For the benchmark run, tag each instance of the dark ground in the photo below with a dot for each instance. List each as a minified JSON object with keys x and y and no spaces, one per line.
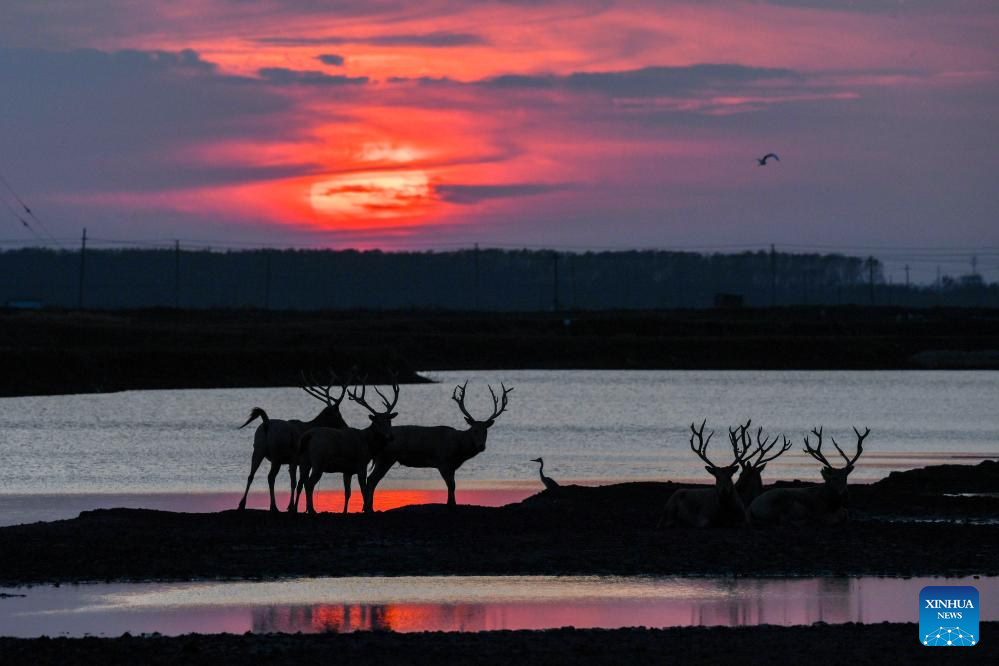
{"x":575,"y":530}
{"x":48,"y":352}
{"x":816,"y":644}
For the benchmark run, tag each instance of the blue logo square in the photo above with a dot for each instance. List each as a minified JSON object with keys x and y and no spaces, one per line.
{"x":948,"y":615}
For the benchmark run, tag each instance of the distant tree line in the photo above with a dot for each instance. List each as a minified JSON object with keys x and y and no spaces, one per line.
{"x":487,"y":279}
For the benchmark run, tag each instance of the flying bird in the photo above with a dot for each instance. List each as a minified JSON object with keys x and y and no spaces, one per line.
{"x":550,"y":483}
{"x":762,"y":161}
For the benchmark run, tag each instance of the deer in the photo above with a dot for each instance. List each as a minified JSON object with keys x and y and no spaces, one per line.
{"x":346,"y":450}
{"x":720,"y":506}
{"x":823,"y":504}
{"x":750,"y":483}
{"x":440,"y":447}
{"x":277,"y":439}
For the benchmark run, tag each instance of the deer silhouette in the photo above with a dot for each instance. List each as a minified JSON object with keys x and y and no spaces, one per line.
{"x":346,"y":450}
{"x":277,"y":439}
{"x":824,"y":504}
{"x":439,"y":447}
{"x":720,"y":506}
{"x":750,"y":483}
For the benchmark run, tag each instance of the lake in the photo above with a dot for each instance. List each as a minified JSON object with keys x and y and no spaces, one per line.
{"x":183,"y":448}
{"x":465,"y":603}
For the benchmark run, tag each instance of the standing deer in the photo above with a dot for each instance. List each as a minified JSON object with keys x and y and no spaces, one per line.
{"x":824,"y":504}
{"x":720,"y":506}
{"x":441,"y":447}
{"x":346,"y":450}
{"x":277,"y":439}
{"x":750,"y":483}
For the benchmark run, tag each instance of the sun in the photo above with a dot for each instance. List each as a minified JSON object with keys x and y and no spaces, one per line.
{"x":380,"y":194}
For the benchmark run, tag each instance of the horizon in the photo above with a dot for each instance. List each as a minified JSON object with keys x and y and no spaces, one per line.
{"x":556,"y":125}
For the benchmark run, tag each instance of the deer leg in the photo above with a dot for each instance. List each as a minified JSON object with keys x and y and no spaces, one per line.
{"x":303,"y":475}
{"x":362,"y":480}
{"x":254,"y":464}
{"x":382,"y":466}
{"x":310,"y":486}
{"x":347,"y":476}
{"x":292,"y":500}
{"x":271,"y":477}
{"x":448,"y":476}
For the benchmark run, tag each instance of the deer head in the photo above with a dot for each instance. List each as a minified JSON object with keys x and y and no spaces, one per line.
{"x":835,"y":477}
{"x":723,"y":475}
{"x":754,"y":456}
{"x":479,"y":428}
{"x":381,"y":421}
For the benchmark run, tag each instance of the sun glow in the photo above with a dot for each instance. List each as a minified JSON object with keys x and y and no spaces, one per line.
{"x":376,"y":194}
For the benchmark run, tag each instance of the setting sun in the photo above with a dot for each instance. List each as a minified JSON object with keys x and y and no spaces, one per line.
{"x":380,"y":194}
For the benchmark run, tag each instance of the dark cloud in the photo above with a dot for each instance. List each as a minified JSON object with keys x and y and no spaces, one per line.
{"x":472,"y":194}
{"x":429,"y":39}
{"x":284,"y":76}
{"x":332,"y":59}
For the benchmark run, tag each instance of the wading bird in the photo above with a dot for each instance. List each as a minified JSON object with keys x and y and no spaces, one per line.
{"x":550,"y":483}
{"x":762,"y":161}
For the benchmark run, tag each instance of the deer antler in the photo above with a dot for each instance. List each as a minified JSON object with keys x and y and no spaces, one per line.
{"x":740,"y":440}
{"x":702,"y":444}
{"x":395,"y":389}
{"x":764,"y":445}
{"x":499,"y":402}
{"x":358,"y":397}
{"x":860,"y":446}
{"x":817,"y":451}
{"x":322,"y":391}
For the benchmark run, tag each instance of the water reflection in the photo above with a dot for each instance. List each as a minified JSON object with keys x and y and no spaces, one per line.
{"x":469,"y":603}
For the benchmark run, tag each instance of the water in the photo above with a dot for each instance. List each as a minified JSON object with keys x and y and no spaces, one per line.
{"x":465,"y":603}
{"x":591,"y":427}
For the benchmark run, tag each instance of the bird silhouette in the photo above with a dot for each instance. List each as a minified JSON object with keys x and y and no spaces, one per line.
{"x":762,"y":161}
{"x":550,"y":483}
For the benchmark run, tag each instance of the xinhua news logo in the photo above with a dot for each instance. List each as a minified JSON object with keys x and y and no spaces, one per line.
{"x":948,"y":615}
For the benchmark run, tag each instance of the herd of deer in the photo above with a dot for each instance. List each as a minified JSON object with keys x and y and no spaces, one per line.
{"x":328,"y":444}
{"x":744,"y":502}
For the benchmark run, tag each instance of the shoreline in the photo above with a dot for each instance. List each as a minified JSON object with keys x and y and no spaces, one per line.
{"x":818,"y":643}
{"x":572,"y":530}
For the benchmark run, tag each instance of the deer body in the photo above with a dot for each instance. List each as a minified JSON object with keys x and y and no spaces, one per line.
{"x":348,"y":451}
{"x":276,"y":440}
{"x":824,"y":504}
{"x":439,"y":447}
{"x":720,"y":506}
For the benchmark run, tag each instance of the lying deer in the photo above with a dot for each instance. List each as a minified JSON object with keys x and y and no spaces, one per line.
{"x":720,"y":506}
{"x":824,"y":504}
{"x":346,"y":450}
{"x":277,"y":439}
{"x":750,"y":483}
{"x":440,"y":447}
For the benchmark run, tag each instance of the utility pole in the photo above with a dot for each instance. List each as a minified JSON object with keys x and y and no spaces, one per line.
{"x":476,"y":257}
{"x":555,"y":304}
{"x":974,"y":264}
{"x":773,"y":276}
{"x":83,"y":267}
{"x":907,"y":276}
{"x":267,"y":279}
{"x":176,"y":274}
{"x":870,"y":268}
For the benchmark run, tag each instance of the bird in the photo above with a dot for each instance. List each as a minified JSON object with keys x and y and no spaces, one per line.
{"x":550,"y":483}
{"x":762,"y":161}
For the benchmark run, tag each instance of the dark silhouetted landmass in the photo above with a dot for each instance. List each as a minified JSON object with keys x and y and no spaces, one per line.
{"x":571,"y":530}
{"x":45,"y":352}
{"x":485,"y":280}
{"x":747,"y":646}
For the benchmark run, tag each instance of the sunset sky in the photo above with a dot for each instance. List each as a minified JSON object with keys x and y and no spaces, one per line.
{"x":572,"y":124}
